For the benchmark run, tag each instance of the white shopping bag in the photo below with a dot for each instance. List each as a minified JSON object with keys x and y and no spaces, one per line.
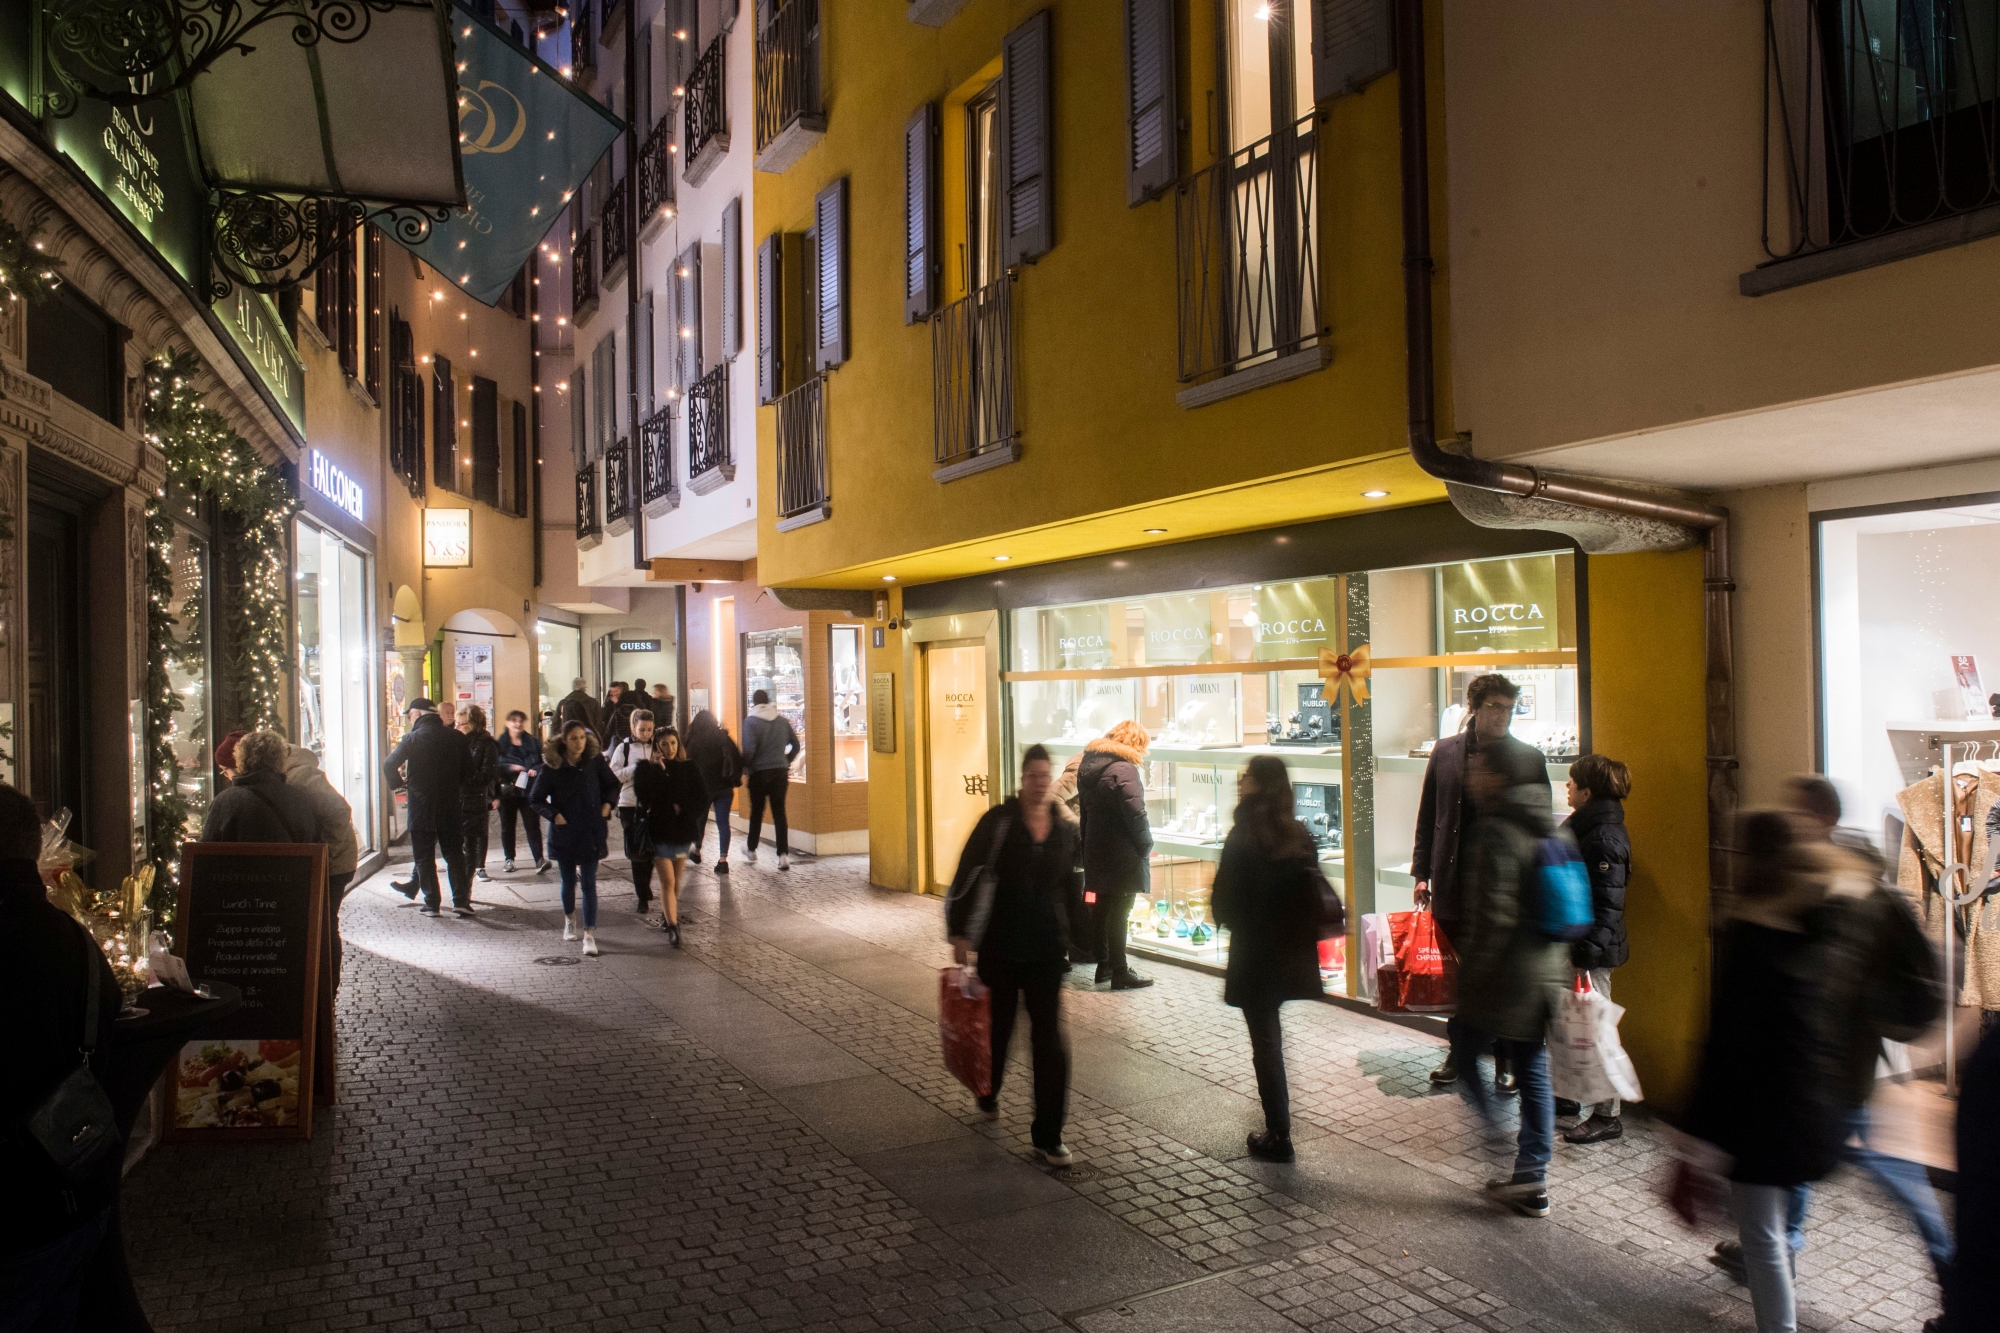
{"x":1376,"y":950}
{"x":1586,"y":1063}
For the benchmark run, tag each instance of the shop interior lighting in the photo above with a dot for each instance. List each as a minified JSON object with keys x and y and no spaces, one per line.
{"x":1003,"y":558}
{"x":888,"y":578}
{"x":1374,"y":495}
{"x":1156,"y":532}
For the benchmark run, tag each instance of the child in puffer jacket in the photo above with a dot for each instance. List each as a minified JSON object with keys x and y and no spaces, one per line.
{"x":1597,"y":790}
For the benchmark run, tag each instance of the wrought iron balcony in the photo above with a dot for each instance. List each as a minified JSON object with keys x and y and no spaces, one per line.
{"x":657,"y":492}
{"x":972,"y":381}
{"x":582,"y":41}
{"x":582,"y":279}
{"x":710,"y":463}
{"x":802,"y":483}
{"x":618,"y":487}
{"x":656,"y":174}
{"x":705,"y":108}
{"x":790,"y":118}
{"x":588,"y":530}
{"x":1248,"y":257}
{"x":614,"y":217}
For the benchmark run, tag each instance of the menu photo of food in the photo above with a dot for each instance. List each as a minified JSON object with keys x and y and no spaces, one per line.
{"x":237,"y":1085}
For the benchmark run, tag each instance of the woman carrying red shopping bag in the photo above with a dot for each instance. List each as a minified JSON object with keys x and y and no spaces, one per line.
{"x":1008,"y":906}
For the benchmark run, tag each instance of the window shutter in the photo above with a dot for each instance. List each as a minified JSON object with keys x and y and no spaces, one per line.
{"x":770,"y":374}
{"x":1354,"y":43}
{"x":830,"y":277}
{"x":1151,"y":129}
{"x":687,"y":315}
{"x":444,"y":425}
{"x":486,"y":441}
{"x":519,"y":456}
{"x":1027,"y":215}
{"x":607,"y":382}
{"x":920,"y":215}
{"x":732,"y":278}
{"x":644,"y":346}
{"x":579,"y":439}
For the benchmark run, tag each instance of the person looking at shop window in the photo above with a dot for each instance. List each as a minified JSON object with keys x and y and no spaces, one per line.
{"x":259,"y":805}
{"x":1597,"y":790}
{"x":576,"y":792}
{"x":624,"y":757}
{"x":1023,"y":945}
{"x":1117,"y":842}
{"x":520,"y":756}
{"x":225,"y":755}
{"x":334,"y":826}
{"x":714,"y":753}
{"x":1445,"y":819}
{"x":672,"y":799}
{"x":435,"y":758}
{"x":769,"y":746}
{"x":481,"y":794}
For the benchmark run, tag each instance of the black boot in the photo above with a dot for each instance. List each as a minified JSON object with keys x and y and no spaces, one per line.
{"x":1103,"y":974}
{"x":1505,"y":1081}
{"x":1446,"y":1074}
{"x":1269,"y":1147}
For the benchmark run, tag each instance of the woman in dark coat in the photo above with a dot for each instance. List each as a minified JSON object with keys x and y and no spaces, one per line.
{"x":1265,"y":896}
{"x":575,"y":792}
{"x":674,"y":799}
{"x":715,"y":754}
{"x":481,"y":792}
{"x":258,"y":805}
{"x":1117,"y":842}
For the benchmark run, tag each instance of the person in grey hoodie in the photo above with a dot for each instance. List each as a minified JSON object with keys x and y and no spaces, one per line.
{"x":769,"y":746}
{"x":336,"y":829}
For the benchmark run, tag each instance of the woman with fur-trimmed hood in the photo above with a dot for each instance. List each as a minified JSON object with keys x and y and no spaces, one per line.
{"x":1117,"y":842}
{"x":575,"y":792}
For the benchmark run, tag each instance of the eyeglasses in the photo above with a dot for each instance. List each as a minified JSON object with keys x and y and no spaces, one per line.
{"x":1497,"y":706}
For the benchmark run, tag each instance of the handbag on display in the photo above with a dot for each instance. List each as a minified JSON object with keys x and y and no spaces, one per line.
{"x":1424,"y":979}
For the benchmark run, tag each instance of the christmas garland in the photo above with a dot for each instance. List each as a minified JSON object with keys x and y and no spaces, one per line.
{"x":205,"y":457}
{"x":24,"y":270}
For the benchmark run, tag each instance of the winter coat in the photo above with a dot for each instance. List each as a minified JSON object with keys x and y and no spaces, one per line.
{"x":1972,"y":1287}
{"x":768,"y":739}
{"x":1266,"y":899}
{"x":673,"y":797}
{"x":578,"y":792}
{"x":482,"y":776}
{"x":437,"y":757}
{"x":624,"y":757}
{"x":1029,"y":922}
{"x":1510,"y":975}
{"x":517,"y":759}
{"x":579,"y":706}
{"x":1117,"y":840}
{"x":714,"y":752}
{"x":259,"y":807}
{"x":1444,"y":824}
{"x":1599,"y":829}
{"x":1918,"y":866}
{"x":333,"y":815}
{"x":618,"y":719}
{"x":662,"y":710}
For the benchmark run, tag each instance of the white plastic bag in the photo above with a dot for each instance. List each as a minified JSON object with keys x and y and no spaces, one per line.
{"x":1586,"y":1062}
{"x":1376,"y":951}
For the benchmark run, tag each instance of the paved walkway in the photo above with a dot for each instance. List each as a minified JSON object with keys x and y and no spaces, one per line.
{"x":755,"y":1132}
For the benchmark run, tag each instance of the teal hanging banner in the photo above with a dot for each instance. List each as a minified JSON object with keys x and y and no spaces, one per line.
{"x":527,"y":140}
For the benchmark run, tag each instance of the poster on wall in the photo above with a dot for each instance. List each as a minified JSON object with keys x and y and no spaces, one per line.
{"x":252,"y":915}
{"x":961,"y":779}
{"x":1297,"y":619}
{"x":1972,"y":698}
{"x":472,"y":676}
{"x":1180,"y":628}
{"x":1506,"y":605}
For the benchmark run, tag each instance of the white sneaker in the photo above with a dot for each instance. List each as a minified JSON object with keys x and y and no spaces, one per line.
{"x":508,"y":865}
{"x":784,"y":863}
{"x":569,"y":926}
{"x":590,"y":944}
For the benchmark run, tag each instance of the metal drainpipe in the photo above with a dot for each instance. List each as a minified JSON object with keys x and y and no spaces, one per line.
{"x":632,"y":265}
{"x":1711,"y":521}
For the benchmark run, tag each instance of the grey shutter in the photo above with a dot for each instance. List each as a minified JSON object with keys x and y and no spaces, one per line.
{"x":579,"y":440}
{"x":644,"y":346}
{"x":1151,"y":130}
{"x":1027,"y":214}
{"x":1354,"y":43}
{"x":770,"y":375}
{"x":732,"y":277}
{"x":829,"y":304}
{"x":687,"y":315}
{"x":920,"y":258}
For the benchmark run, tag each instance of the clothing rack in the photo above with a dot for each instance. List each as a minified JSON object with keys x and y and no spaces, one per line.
{"x":1947,"y":889}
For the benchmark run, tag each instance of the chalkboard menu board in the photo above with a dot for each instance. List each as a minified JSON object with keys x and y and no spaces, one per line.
{"x":253,"y":915}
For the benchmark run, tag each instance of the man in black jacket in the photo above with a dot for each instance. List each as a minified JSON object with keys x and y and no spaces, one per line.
{"x":438,"y":761}
{"x":579,"y":706}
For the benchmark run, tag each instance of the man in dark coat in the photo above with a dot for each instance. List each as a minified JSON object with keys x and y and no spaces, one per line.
{"x":579,"y":706}
{"x":1444,"y":817}
{"x":259,"y":806}
{"x":1972,"y":1287}
{"x":438,"y":761}
{"x":1117,"y":843}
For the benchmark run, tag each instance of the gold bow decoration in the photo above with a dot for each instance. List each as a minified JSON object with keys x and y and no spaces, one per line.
{"x":1345,"y":671}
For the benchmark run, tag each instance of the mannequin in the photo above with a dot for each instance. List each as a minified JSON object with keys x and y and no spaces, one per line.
{"x":1976,"y":802}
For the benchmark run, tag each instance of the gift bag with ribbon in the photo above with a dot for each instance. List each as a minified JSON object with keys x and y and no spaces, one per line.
{"x":965,"y":1025}
{"x":1425,"y":976}
{"x":1586,"y":1062}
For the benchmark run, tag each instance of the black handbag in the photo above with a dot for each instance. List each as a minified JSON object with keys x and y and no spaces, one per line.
{"x":74,"y":1126}
{"x":1329,"y":904}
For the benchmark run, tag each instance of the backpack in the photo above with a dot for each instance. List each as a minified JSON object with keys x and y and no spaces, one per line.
{"x":1906,"y":994}
{"x":1562,"y":907}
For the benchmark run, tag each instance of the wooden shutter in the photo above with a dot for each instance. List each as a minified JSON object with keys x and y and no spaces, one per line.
{"x":732,"y":277}
{"x":920,"y":220}
{"x":1353,"y":44}
{"x":444,"y":425}
{"x":644,"y":347}
{"x":371,"y":312}
{"x":486,"y":441}
{"x":687,"y":315}
{"x":770,"y":310}
{"x":829,"y":305}
{"x":518,"y":460}
{"x":1027,"y":171}
{"x":1152,"y":132}
{"x":579,"y":419}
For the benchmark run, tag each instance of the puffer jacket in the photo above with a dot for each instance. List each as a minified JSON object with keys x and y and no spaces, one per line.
{"x":1510,"y":975}
{"x":1599,"y":829}
{"x":1117,"y":839}
{"x":578,"y":792}
{"x":336,"y":817}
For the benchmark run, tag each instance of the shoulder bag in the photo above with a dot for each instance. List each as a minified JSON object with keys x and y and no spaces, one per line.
{"x":980,"y":884}
{"x":74,"y":1127}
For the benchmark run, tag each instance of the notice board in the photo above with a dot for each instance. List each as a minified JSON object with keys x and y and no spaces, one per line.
{"x":252,"y":914}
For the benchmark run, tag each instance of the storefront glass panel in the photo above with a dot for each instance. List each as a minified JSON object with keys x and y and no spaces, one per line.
{"x":774,"y":661}
{"x":961,"y":786}
{"x":187,"y":666}
{"x":335,"y":698}
{"x":558,"y":661}
{"x":849,"y":706}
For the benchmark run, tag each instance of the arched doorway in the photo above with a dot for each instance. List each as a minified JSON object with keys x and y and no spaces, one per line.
{"x":484,"y":657}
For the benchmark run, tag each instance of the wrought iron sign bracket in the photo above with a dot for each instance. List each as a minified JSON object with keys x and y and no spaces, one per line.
{"x":271,"y":242}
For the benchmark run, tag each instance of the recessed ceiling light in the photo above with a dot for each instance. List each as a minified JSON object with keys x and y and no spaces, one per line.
{"x":1374,"y":495}
{"x":1003,"y":558}
{"x":1156,"y":532}
{"x":888,"y":578}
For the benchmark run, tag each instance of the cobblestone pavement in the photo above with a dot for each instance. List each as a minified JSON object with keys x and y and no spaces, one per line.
{"x":756,"y":1132}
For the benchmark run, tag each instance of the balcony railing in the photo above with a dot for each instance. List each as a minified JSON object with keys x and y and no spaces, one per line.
{"x":657,"y":492}
{"x":789,"y":115}
{"x":710,"y":463}
{"x":582,"y":278}
{"x":618,"y":487}
{"x":1248,"y":255}
{"x":1879,"y":116}
{"x":582,"y":40}
{"x":588,"y":530}
{"x":656,"y":174}
{"x":614,"y":217}
{"x":802,"y":481}
{"x":972,"y":378}
{"x":705,"y":108}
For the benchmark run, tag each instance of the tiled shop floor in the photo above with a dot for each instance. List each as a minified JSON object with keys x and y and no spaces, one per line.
{"x":755,"y":1132}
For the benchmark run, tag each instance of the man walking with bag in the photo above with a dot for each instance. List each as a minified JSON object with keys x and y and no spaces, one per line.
{"x":437,"y":760}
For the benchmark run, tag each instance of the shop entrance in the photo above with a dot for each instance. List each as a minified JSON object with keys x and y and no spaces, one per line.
{"x":336,"y":692}
{"x":960,"y":782}
{"x":57,"y":663}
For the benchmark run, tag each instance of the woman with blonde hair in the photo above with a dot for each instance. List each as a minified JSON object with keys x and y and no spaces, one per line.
{"x":1117,"y":842}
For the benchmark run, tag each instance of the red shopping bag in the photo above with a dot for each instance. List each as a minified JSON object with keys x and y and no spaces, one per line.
{"x":1424,"y":979}
{"x":965,"y":1024}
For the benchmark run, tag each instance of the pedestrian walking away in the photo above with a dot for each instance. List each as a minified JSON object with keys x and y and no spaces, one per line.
{"x":580,"y":706}
{"x":1972,"y":1287}
{"x":334,"y":820}
{"x":576,"y":792}
{"x":624,"y":757}
{"x":714,"y":753}
{"x":1117,"y":843}
{"x":1022,"y":944}
{"x":520,"y":760}
{"x":618,"y":709}
{"x":481,"y":794}
{"x":259,"y":805}
{"x":663,"y":705}
{"x":435,"y":758}
{"x":672,"y":800}
{"x":1266,"y":896}
{"x":769,"y":746}
{"x":1597,"y":790}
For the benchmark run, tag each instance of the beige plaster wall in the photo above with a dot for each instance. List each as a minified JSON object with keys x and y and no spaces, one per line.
{"x":1774,"y":637}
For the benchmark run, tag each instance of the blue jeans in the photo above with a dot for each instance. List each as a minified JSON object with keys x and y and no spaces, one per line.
{"x":1906,"y":1181}
{"x":1763,"y":1221}
{"x":720,"y":805}
{"x":39,"y":1290}
{"x":1538,"y":1101}
{"x":572,"y":869}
